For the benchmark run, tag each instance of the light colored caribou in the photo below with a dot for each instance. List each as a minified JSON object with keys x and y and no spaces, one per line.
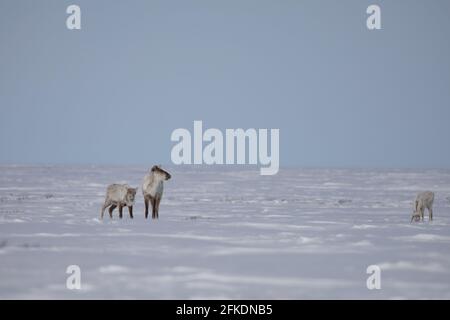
{"x":424,"y":200}
{"x":119,"y":195}
{"x":152,"y":189}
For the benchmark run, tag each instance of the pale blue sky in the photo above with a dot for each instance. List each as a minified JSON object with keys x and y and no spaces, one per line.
{"x":113,"y":92}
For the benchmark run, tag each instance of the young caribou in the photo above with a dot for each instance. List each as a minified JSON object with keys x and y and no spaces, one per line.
{"x":424,"y":200}
{"x":119,"y":195}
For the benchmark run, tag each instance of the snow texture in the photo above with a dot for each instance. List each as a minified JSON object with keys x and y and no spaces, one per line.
{"x":224,"y":233}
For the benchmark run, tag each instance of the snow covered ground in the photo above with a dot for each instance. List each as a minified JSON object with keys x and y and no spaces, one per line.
{"x":224,"y":233}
